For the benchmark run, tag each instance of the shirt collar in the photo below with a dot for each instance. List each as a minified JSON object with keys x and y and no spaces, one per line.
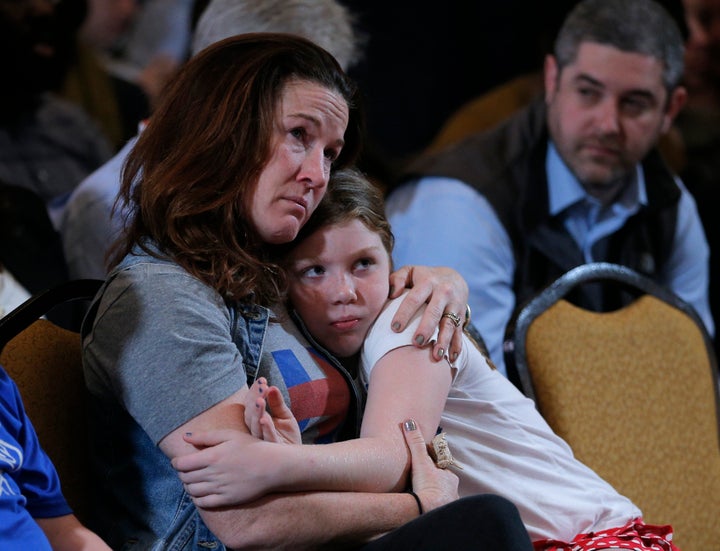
{"x":564,"y":189}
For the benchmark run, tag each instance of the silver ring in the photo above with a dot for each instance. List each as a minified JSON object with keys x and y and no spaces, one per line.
{"x":453,"y":317}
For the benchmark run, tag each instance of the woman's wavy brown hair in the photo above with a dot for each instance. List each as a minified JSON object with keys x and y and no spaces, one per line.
{"x":189,"y":177}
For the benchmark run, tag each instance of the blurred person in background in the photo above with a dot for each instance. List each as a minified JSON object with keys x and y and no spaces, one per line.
{"x":46,"y":145}
{"x":89,"y":225}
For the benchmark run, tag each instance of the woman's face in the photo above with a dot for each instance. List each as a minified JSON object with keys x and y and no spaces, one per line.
{"x":339,"y":283}
{"x":307,"y":138}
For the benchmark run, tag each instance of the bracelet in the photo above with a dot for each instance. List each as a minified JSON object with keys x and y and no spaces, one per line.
{"x":417,"y":499}
{"x":468,"y":314}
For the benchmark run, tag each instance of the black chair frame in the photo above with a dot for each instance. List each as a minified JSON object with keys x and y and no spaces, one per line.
{"x":43,"y":302}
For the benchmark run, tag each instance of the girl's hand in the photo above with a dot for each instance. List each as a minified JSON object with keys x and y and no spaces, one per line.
{"x":268,"y":417}
{"x":231,"y":467}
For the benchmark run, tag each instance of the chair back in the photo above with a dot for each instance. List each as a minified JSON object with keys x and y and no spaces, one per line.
{"x":634,"y":392}
{"x":45,"y":362}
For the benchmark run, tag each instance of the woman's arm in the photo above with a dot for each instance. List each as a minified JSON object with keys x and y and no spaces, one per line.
{"x":308,"y":519}
{"x":405,"y":382}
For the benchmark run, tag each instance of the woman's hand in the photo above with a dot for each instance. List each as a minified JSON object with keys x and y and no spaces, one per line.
{"x":435,"y":487}
{"x":445,"y":291}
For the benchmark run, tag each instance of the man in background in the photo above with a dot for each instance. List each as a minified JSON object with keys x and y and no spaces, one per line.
{"x":569,"y":180}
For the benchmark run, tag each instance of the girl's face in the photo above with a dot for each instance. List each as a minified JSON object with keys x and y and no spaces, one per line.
{"x":308,"y":137}
{"x":339,"y":283}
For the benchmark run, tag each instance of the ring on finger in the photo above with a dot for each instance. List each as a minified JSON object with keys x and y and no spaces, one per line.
{"x":453,"y":317}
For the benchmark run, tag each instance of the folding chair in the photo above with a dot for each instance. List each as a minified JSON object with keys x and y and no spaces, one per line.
{"x":633,"y":391}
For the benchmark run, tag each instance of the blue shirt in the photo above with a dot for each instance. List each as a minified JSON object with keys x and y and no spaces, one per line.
{"x":444,"y":222}
{"x":89,"y":226}
{"x":29,"y":485}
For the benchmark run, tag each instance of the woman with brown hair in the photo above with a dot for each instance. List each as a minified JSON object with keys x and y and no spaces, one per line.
{"x":235,"y":159}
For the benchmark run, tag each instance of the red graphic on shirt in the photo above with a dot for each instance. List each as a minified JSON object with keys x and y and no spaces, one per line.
{"x":326,"y":400}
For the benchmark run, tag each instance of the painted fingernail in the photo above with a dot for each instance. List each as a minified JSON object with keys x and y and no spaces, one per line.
{"x":454,"y":356}
{"x":188,"y":434}
{"x":441,"y":352}
{"x":419,"y":340}
{"x":391,"y":291}
{"x":396,"y":326}
{"x":410,"y":425}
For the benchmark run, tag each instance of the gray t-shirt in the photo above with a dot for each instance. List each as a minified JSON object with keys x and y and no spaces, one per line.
{"x":167,"y":347}
{"x":162,"y":346}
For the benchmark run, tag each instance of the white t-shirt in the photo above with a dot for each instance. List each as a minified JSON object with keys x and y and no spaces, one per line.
{"x":505,"y":447}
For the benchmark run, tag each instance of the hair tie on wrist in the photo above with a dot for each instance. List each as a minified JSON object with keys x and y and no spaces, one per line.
{"x":417,"y":499}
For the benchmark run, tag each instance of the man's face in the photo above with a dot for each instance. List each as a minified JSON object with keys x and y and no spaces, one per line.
{"x":606,"y":110}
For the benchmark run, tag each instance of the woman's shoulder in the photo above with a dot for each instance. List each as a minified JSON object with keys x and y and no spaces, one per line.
{"x":154,"y":284}
{"x":147,"y":266}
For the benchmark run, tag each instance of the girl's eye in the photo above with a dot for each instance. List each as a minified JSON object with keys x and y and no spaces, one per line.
{"x":364,"y":263}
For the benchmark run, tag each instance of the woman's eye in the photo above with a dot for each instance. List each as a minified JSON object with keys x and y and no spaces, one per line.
{"x":298,"y":133}
{"x":312,"y":271}
{"x":331,"y":155}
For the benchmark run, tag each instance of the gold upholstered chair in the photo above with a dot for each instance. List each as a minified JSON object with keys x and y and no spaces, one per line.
{"x":44,"y":360}
{"x":633,"y":391}
{"x":488,"y":110}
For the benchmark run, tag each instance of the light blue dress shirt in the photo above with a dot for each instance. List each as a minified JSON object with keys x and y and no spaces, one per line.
{"x":89,"y":226}
{"x":444,"y":222}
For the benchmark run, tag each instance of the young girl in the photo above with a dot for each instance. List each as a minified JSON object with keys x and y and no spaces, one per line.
{"x":338,"y":270}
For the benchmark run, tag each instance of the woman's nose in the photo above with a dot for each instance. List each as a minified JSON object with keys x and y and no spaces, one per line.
{"x":315,"y":169}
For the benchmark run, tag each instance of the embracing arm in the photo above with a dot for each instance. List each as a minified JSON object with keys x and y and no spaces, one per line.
{"x":444,"y":290}
{"x":305,"y":519}
{"x":405,"y":382}
{"x":316,"y":519}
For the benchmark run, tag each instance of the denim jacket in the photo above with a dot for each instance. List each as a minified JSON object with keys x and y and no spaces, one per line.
{"x":141,"y":501}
